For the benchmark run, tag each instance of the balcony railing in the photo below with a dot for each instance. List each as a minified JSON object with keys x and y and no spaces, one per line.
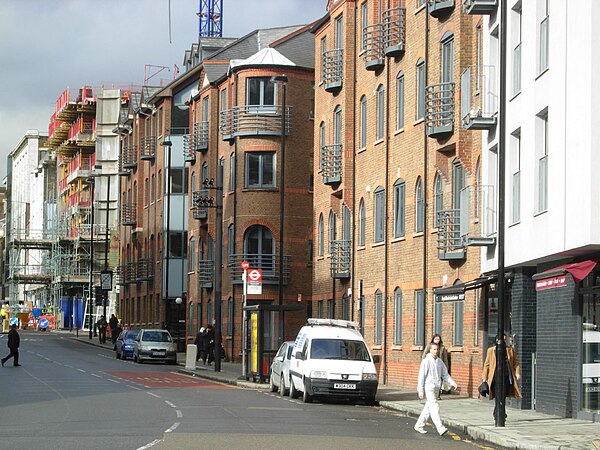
{"x":189,"y":155}
{"x":269,"y":264}
{"x":148,"y":148}
{"x":479,"y":7}
{"x":206,"y":273}
{"x":128,"y":157}
{"x":127,"y":273}
{"x":197,"y":141}
{"x":145,"y":269}
{"x":394,"y":27}
{"x":478,"y":111}
{"x":439,"y":8}
{"x":332,"y":69}
{"x":439,"y":109}
{"x":331,"y":163}
{"x":254,"y":120}
{"x":341,"y":258}
{"x":373,"y":45}
{"x":200,"y":201}
{"x":450,"y":242}
{"x":128,"y":214}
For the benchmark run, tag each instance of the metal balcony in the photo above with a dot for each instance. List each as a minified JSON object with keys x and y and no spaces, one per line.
{"x":197,"y":141}
{"x":189,"y":155}
{"x":129,"y":157}
{"x":254,"y":120}
{"x":201,"y":200}
{"x":269,"y":264}
{"x":478,"y":216}
{"x":478,"y":111}
{"x":332,"y":69}
{"x":394,"y":27}
{"x":450,"y":243}
{"x":127,"y":273}
{"x":439,"y":109}
{"x":373,"y":45}
{"x":148,"y":148}
{"x":206,"y":273}
{"x":440,"y":8}
{"x":145,"y":269}
{"x":341,"y":258}
{"x":479,"y":7}
{"x":331,"y":163}
{"x":128,"y":214}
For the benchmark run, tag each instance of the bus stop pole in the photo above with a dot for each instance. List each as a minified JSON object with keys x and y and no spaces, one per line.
{"x":244,"y":327}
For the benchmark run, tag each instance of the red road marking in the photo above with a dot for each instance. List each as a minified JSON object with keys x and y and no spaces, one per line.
{"x":166,"y":380}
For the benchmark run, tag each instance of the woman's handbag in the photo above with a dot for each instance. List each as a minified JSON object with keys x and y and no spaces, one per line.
{"x":483,"y":388}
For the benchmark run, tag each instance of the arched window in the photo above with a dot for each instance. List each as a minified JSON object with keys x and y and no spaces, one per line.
{"x":322,"y":143}
{"x":259,"y":248}
{"x":231,"y":242}
{"x":363,"y":122}
{"x":399,"y":208}
{"x":321,"y":236}
{"x":362,"y":223}
{"x":419,"y":206}
{"x":232,"y":172}
{"x":458,"y":182}
{"x":398,"y":316}
{"x":478,"y":195}
{"x":192,"y":255}
{"x":337,"y":125}
{"x":193,"y":182}
{"x":332,"y":232}
{"x":420,"y":88}
{"x":204,"y":174}
{"x":438,"y":204}
{"x":380,"y":93}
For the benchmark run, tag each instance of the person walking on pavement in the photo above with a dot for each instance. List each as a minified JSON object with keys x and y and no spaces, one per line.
{"x":512,"y":374}
{"x":431,"y":374}
{"x":102,"y":330}
{"x":113,"y":322}
{"x":209,"y":345}
{"x":200,"y":344}
{"x":442,"y":353}
{"x":13,"y":344}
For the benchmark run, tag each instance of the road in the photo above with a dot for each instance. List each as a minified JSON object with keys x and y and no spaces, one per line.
{"x":70,"y":395}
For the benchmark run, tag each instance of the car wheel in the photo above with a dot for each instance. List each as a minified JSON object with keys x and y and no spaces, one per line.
{"x":293,"y":392}
{"x":271,"y":383}
{"x":306,"y":397}
{"x":117,"y":355}
{"x":282,"y":389}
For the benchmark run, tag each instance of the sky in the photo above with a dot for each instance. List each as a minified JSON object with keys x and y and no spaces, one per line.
{"x":47,"y":46}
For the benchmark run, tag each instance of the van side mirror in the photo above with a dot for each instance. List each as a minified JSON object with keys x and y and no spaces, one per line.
{"x":376,"y":359}
{"x":298,"y":355}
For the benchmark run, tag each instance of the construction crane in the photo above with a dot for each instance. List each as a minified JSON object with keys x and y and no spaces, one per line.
{"x":211,"y":18}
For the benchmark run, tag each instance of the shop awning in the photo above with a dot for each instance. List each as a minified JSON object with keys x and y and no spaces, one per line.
{"x":457,"y":292}
{"x":557,"y":277}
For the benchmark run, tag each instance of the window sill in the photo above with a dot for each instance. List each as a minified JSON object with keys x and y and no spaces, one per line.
{"x":399,"y":239}
{"x":457,"y":349}
{"x":514,"y":224}
{"x":416,"y":348}
{"x":263,"y":189}
{"x":420,"y":8}
{"x":320,"y":258}
{"x":362,"y":247}
{"x":397,"y":347}
{"x":378,"y":141}
{"x":418,"y":121}
{"x":361,"y":150}
{"x":378,"y":244}
{"x":434,"y":230}
{"x":515,"y":95}
{"x":539,"y":213}
{"x":539,"y":75}
{"x":417,"y":234}
{"x":397,"y":132}
{"x":377,"y":347}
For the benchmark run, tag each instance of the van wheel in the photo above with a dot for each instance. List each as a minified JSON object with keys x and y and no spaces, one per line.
{"x":306,"y":397}
{"x":282,"y":389}
{"x":293,"y":392}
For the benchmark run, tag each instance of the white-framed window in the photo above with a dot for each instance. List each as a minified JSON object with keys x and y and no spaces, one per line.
{"x":399,"y":208}
{"x":517,"y":21}
{"x":363,"y":122}
{"x":261,"y":95}
{"x":379,"y":215}
{"x":260,"y":169}
{"x":419,"y":206}
{"x":544,"y":35}
{"x":380,"y":93}
{"x":516,"y":176}
{"x":362,"y":223}
{"x":398,"y":316}
{"x":420,"y":69}
{"x":438,"y":194}
{"x":378,"y":317}
{"x":400,"y":101}
{"x":542,"y":163}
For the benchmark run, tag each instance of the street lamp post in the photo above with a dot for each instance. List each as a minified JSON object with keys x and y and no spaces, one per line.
{"x":106,"y":245}
{"x":91,"y":282}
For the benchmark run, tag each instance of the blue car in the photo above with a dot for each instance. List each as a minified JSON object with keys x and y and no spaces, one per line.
{"x":125,"y":343}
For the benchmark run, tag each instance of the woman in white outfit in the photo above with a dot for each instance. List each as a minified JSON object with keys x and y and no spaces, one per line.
{"x":431,"y":374}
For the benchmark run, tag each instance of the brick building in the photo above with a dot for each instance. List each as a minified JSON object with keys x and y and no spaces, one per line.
{"x":397,"y":195}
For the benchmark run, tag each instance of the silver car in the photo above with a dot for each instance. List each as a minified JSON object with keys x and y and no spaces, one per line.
{"x":154,"y":345}
{"x":280,"y":369}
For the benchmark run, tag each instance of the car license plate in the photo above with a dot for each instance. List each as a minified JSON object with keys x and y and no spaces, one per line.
{"x":344,"y":386}
{"x":159,"y":353}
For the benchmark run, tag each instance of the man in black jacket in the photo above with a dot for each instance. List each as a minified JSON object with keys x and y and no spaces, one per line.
{"x":13,"y":344}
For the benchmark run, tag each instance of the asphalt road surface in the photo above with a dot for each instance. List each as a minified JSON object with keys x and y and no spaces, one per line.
{"x":69,"y":395}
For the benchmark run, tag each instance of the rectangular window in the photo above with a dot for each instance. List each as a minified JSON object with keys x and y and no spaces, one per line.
{"x":192,"y":255}
{"x":542,"y":203}
{"x":516,"y":177}
{"x":399,"y":209}
{"x":421,"y":90}
{"x":437,"y":317}
{"x":378,"y":318}
{"x":191,"y":328}
{"x":330,"y":309}
{"x":230,"y":317}
{"x":339,"y":43}
{"x":231,"y":241}
{"x":232,"y":173}
{"x":364,"y":8}
{"x":398,"y":318}
{"x":199,"y":314}
{"x":261,"y":94}
{"x":320,"y":309}
{"x":179,"y":182}
{"x":177,"y":244}
{"x":223,"y":99}
{"x":517,"y":22}
{"x":380,"y":112}
{"x":400,"y":102}
{"x":458,"y":322}
{"x":544,"y":37}
{"x":448,"y":61}
{"x":419,"y":317}
{"x":323,"y":57}
{"x":379,"y":219}
{"x":363,"y":122}
{"x":345,"y":308}
{"x":260,"y":169}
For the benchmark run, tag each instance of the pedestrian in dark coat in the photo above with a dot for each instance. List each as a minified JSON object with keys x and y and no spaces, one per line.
{"x":13,"y":344}
{"x":200,"y":344}
{"x":102,"y":330}
{"x":113,"y":322}
{"x":209,"y":345}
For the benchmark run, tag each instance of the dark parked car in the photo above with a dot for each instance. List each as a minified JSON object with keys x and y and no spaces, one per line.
{"x":125,"y":343}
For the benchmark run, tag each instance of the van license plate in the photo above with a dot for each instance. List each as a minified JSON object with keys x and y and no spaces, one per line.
{"x":344,"y":386}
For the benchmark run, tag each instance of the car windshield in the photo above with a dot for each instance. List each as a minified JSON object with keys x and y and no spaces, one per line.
{"x":156,"y":336}
{"x":339,"y":349}
{"x":130,"y":334}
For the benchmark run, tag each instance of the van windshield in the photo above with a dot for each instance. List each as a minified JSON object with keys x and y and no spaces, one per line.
{"x":339,"y":349}
{"x":591,"y":353}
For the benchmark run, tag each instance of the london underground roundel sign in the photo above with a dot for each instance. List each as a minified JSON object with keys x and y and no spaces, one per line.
{"x":255,"y":275}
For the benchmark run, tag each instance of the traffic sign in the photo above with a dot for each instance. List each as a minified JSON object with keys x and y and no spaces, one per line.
{"x":245,"y":265}
{"x":255,"y":275}
{"x":13,"y":321}
{"x":43,"y":323}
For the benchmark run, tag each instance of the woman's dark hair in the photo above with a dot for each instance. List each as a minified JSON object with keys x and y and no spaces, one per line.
{"x":434,"y":336}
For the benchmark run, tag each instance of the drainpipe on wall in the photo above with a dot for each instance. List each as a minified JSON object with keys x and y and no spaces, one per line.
{"x":386,"y":247}
{"x":355,"y":294}
{"x":425,"y":179}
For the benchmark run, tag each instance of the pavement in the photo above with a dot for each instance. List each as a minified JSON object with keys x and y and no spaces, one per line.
{"x":525,"y":429}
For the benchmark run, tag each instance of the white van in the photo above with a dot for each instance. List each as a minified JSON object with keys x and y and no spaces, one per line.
{"x":331,"y":359}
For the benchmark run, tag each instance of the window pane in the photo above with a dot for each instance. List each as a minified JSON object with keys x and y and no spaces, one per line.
{"x":253,"y":164}
{"x":398,"y":301}
{"x":458,"y":323}
{"x":362,"y":223}
{"x":378,"y":317}
{"x":400,"y":103}
{"x":268,"y":169}
{"x":544,"y":44}
{"x":419,"y":316}
{"x":420,"y":90}
{"x":437,"y":317}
